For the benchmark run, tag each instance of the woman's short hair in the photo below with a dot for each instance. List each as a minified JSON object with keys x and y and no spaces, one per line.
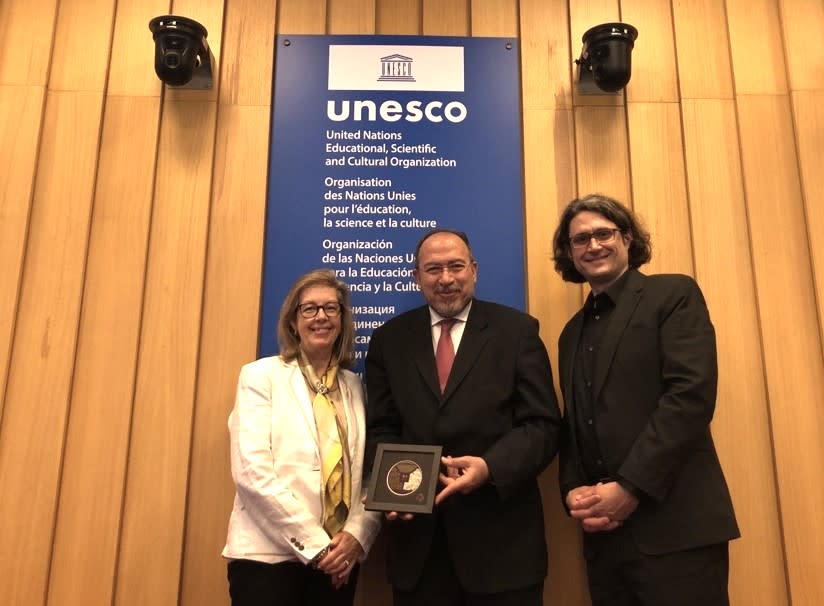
{"x":640,"y":247}
{"x":288,"y":338}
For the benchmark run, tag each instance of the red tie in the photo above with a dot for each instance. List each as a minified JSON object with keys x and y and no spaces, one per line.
{"x":445,"y":353}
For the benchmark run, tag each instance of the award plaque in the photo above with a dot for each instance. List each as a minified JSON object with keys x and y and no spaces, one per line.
{"x":404,"y":478}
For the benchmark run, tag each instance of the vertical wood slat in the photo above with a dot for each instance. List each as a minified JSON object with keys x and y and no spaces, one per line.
{"x":232,"y":286}
{"x":398,"y":17}
{"x":31,"y":440}
{"x":94,"y":461}
{"x":546,"y":56}
{"x":494,"y":17}
{"x":741,"y":428}
{"x":795,"y":374}
{"x":42,"y":357}
{"x":152,"y":529}
{"x":21,"y":115}
{"x":654,"y":73}
{"x":756,"y":47}
{"x":659,"y":185}
{"x":808,"y":114}
{"x":151,"y":543}
{"x":350,"y":16}
{"x":602,"y":152}
{"x":446,"y":17}
{"x":25,"y":49}
{"x":801,"y":22}
{"x":301,"y":17}
{"x":703,"y":60}
{"x":24,"y":60}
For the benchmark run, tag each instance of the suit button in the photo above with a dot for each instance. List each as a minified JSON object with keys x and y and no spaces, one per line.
{"x":589,"y":421}
{"x":300,"y":546}
{"x":293,"y":540}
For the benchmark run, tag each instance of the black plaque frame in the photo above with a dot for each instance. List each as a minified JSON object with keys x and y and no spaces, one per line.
{"x":389,"y":458}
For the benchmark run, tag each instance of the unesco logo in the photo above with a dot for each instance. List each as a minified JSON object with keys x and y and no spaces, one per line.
{"x":396,"y":68}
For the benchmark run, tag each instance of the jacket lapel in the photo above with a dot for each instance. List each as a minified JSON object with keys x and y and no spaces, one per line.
{"x":573,"y":337}
{"x":300,"y":394}
{"x":473,"y":341}
{"x":621,"y":316}
{"x":420,"y":343}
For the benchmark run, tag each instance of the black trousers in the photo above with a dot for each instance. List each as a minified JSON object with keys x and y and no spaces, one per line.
{"x":439,"y":585}
{"x":620,"y":575}
{"x":286,"y":584}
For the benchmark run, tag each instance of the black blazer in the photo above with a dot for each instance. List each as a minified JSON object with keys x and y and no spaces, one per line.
{"x":499,"y":404}
{"x":655,"y":386}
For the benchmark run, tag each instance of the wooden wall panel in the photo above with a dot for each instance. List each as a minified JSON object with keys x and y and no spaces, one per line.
{"x":25,"y":53}
{"x":658,"y":184}
{"x":40,"y":370}
{"x":26,"y":36}
{"x":446,"y":17}
{"x":494,"y":17}
{"x":654,"y":73}
{"x":149,"y":558}
{"x":97,"y":438}
{"x":350,"y":17}
{"x":602,"y":153}
{"x":301,"y":17}
{"x":792,"y":351}
{"x":546,"y":57}
{"x":21,"y":114}
{"x":232,"y":286}
{"x":702,"y":49}
{"x":94,"y":460}
{"x":31,"y":440}
{"x":399,"y":17}
{"x":801,"y":23}
{"x":151,"y":540}
{"x":808,"y":112}
{"x":756,"y":47}
{"x":723,"y":268}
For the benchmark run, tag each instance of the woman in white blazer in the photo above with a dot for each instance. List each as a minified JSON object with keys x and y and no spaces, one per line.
{"x":298,"y":528}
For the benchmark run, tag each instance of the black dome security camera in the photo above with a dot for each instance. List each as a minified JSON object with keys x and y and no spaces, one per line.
{"x":606,"y":57}
{"x":182,"y":55}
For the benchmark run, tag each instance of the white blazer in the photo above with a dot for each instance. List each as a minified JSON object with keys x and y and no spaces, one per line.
{"x":276,"y":466}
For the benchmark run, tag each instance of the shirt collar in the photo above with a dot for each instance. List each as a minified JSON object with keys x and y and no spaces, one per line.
{"x":435,"y":317}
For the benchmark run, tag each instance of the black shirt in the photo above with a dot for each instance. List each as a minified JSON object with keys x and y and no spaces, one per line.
{"x":597,"y":314}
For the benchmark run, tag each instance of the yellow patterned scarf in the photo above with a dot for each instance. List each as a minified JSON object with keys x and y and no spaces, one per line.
{"x":332,"y":438}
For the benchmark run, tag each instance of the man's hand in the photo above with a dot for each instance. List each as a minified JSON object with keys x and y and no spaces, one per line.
{"x":394,"y":515}
{"x":602,"y":507}
{"x":463,"y":474}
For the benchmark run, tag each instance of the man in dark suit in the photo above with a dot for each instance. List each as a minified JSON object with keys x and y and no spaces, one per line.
{"x":497,"y":418}
{"x":638,"y":373}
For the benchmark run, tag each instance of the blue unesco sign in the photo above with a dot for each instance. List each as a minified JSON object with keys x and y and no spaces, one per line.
{"x":376,"y":140}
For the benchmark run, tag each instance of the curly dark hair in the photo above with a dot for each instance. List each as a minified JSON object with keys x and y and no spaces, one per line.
{"x":640,"y":247}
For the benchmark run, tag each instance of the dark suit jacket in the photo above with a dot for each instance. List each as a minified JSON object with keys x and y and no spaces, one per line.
{"x":499,"y":404}
{"x":654,"y":393}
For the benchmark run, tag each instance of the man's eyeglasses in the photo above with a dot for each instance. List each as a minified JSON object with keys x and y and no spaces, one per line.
{"x":310,"y":310}
{"x":603,"y":235}
{"x":454,"y":268}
